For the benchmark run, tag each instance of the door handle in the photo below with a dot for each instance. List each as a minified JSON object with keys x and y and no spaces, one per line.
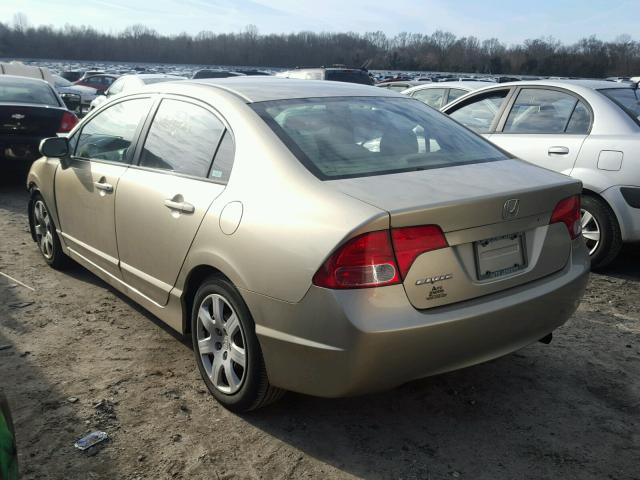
{"x":179,"y":206}
{"x":105,"y":187}
{"x":558,"y":151}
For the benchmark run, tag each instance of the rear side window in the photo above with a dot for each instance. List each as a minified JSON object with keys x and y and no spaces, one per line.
{"x":109,"y":134}
{"x":537,"y":110}
{"x":431,"y":96}
{"x":349,"y":137}
{"x":223,"y":163}
{"x":479,"y":113}
{"x":580,"y":121}
{"x":183,"y":138}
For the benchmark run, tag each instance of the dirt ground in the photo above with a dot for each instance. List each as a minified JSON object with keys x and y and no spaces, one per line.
{"x":82,"y":357}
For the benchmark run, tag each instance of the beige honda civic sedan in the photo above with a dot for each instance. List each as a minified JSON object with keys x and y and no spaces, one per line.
{"x":327,"y":238}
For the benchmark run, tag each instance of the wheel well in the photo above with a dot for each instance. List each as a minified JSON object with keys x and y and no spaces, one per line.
{"x":194,"y":280}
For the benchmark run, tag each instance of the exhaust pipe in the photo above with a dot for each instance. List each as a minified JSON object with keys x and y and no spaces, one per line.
{"x":546,"y":339}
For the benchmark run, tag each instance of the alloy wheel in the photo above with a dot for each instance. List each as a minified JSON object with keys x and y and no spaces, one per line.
{"x":221,"y":344}
{"x":591,"y":231}
{"x":43,"y":229}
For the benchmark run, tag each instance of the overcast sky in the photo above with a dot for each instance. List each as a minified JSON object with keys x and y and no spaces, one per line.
{"x":511,"y":22}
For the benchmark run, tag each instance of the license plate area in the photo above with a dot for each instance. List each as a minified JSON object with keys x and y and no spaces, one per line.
{"x":500,"y":256}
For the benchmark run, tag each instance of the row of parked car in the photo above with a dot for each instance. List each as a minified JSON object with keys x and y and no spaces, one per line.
{"x":582,"y":128}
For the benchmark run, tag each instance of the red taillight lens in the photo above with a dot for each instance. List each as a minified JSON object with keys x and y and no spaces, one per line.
{"x":567,"y":211}
{"x":67,"y":122}
{"x":364,"y":261}
{"x":409,"y":242}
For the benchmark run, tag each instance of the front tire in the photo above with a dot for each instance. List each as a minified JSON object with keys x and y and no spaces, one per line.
{"x":600,"y":231}
{"x":45,"y":234}
{"x":226,"y":348}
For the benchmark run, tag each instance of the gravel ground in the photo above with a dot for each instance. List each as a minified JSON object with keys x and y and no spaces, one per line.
{"x":83,"y":357}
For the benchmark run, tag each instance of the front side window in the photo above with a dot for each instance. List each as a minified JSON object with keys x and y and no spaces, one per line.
{"x":538,"y":110}
{"x":109,"y":134}
{"x":183,"y":138}
{"x":628,"y":99}
{"x":350,"y":137}
{"x":479,"y":113}
{"x":431,"y":96}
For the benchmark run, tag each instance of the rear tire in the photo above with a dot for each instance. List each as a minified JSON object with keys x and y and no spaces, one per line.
{"x":45,"y":233}
{"x":601,"y":231}
{"x":227,"y":350}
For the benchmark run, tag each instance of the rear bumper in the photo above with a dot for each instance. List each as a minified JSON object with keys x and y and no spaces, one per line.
{"x":628,"y":216}
{"x":340,"y":343}
{"x":17,"y":148}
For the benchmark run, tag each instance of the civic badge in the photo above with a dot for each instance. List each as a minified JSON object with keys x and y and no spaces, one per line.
{"x":17,"y":116}
{"x":511,"y":208}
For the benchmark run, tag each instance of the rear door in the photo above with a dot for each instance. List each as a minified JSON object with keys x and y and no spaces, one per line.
{"x":85,"y":192}
{"x":545,"y":126}
{"x":162,"y":200}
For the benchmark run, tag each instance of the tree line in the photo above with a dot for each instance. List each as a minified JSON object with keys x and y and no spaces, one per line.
{"x":439,"y":51}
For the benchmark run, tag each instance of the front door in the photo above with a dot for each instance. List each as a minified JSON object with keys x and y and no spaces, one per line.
{"x":161,"y":201}
{"x":85,"y":192}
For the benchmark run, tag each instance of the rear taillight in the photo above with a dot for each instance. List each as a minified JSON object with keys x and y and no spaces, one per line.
{"x":364,"y":261}
{"x":67,"y":122}
{"x":567,"y":211}
{"x":409,"y":242}
{"x":369,"y":260}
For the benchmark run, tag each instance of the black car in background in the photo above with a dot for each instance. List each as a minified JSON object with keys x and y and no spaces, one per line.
{"x":211,"y":73}
{"x":30,"y":110}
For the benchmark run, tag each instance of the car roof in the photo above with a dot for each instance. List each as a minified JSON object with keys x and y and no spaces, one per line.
{"x":263,"y":89}
{"x":571,"y":84}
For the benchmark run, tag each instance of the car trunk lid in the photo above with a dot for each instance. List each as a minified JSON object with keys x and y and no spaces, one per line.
{"x":495,"y":217}
{"x":20,"y":120}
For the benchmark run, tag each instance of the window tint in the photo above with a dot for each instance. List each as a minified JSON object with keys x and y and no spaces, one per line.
{"x":478,"y":114}
{"x":183,"y":138}
{"x":454,"y":94}
{"x":347,"y":137}
{"x":94,"y":80}
{"x":108,"y":135}
{"x":223,"y":163}
{"x":350,"y":76}
{"x":430,"y":96}
{"x":580,"y":120}
{"x":540,"y":111}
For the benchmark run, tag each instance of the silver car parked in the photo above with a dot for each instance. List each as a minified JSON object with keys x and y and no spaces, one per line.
{"x":322,"y":237}
{"x":588,"y":129}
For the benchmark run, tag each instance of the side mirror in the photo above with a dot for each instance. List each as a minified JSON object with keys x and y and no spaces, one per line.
{"x":56,"y":147}
{"x":73,"y":101}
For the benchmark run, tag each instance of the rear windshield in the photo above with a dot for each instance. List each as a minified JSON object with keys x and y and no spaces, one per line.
{"x":347,"y":137}
{"x":26,"y":91}
{"x":626,"y":98}
{"x":350,"y":76}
